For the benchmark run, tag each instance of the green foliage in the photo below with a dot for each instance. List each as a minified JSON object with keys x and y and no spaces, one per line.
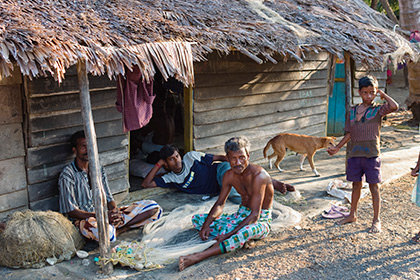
{"x":393,"y":3}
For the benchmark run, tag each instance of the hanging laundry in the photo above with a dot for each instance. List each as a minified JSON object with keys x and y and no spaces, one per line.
{"x":134,"y":99}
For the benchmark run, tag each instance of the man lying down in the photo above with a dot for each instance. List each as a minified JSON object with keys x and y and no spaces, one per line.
{"x":196,"y":173}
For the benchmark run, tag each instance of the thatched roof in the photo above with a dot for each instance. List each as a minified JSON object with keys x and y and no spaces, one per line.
{"x":48,"y":36}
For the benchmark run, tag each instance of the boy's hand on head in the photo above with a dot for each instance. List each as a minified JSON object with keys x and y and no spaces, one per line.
{"x":381,"y":94}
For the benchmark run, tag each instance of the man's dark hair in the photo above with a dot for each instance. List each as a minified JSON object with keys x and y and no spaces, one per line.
{"x":167,"y":151}
{"x":367,"y":81}
{"x":77,"y":135}
{"x":234,"y":144}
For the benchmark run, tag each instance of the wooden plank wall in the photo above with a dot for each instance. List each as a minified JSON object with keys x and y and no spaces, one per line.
{"x":53,"y":116}
{"x":360,"y":72}
{"x":13,"y":189}
{"x":235,"y":96}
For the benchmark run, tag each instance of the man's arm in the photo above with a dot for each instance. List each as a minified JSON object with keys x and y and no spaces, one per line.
{"x":259,"y":185}
{"x":219,"y":158}
{"x":218,"y":206}
{"x":148,"y":181}
{"x":80,"y":214}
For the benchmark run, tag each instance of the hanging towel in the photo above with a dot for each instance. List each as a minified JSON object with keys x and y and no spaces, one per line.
{"x":134,"y":99}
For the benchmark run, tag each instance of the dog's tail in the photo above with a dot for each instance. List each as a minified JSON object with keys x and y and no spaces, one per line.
{"x":266,"y":148}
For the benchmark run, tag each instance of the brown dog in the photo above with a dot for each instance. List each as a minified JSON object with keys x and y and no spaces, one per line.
{"x":301,"y":144}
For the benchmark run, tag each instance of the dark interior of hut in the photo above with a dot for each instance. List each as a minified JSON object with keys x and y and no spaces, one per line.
{"x":165,"y":127}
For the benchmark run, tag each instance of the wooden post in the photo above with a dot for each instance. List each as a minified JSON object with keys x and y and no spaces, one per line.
{"x":94,"y":167}
{"x":331,"y":74}
{"x":330,"y":84}
{"x":348,"y":77}
{"x":188,"y":119}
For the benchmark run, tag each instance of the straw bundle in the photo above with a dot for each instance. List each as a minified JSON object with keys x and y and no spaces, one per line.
{"x":31,"y":237}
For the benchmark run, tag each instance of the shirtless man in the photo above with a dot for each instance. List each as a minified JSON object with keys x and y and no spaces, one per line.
{"x":252,"y":219}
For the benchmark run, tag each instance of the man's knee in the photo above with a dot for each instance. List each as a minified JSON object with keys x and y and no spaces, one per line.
{"x":374,"y":187}
{"x":357,"y":185}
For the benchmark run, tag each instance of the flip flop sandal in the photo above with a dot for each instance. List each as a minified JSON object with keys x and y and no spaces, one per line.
{"x":334,"y":214}
{"x":340,"y":208}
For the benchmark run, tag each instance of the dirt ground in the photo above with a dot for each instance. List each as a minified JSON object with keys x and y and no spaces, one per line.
{"x":320,"y":249}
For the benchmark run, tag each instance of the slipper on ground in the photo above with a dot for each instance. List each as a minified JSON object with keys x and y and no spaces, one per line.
{"x":335,"y":213}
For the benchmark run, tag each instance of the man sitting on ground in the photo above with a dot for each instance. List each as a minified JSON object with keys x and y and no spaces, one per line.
{"x":196,"y":173}
{"x":76,"y":200}
{"x":253,"y":218}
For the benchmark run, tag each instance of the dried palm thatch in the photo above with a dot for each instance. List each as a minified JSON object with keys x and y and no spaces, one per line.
{"x":31,"y":237}
{"x":48,"y":36}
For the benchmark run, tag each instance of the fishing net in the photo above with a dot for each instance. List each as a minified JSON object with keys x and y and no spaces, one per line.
{"x":172,"y":236}
{"x":33,"y":238}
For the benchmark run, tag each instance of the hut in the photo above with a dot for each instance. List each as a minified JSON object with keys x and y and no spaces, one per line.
{"x":248,"y":67}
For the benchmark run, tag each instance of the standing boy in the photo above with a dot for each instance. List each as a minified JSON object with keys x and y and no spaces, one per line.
{"x":362,"y":129}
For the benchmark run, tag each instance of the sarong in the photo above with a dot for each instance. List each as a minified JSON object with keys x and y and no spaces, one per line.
{"x":88,"y":227}
{"x":228,"y":222}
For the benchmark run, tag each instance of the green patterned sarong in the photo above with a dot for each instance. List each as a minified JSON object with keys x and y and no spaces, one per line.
{"x":226,"y":223}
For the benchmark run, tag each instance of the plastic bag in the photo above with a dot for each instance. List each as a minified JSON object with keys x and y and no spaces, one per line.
{"x":415,"y":195}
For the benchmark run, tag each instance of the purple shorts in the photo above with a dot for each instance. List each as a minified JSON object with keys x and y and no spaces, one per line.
{"x":370,"y":167}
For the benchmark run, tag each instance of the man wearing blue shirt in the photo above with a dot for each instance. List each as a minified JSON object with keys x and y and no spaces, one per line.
{"x":196,"y":173}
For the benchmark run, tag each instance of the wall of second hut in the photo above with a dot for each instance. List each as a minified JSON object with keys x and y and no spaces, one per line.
{"x":13,"y":188}
{"x":235,"y":96}
{"x":53,"y":114}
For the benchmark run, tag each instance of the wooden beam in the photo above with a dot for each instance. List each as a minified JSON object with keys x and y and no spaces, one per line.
{"x":331,"y":74}
{"x":330,"y":84}
{"x":348,"y":77}
{"x":94,"y":167}
{"x":188,"y":119}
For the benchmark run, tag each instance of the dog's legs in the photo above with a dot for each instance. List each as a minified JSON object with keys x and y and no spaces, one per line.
{"x":302,"y":159}
{"x":277,"y":162}
{"x":311,"y":163}
{"x":270,"y":159}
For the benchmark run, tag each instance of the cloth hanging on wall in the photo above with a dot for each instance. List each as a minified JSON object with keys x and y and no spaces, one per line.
{"x":134,"y":99}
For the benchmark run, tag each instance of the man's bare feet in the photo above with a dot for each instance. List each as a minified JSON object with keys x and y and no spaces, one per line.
{"x":250,"y":244}
{"x":188,"y":260}
{"x":349,"y":219}
{"x":282,"y":187}
{"x":376,"y":227}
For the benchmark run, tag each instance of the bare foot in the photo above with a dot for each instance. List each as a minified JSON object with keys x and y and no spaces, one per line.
{"x":282,"y":187}
{"x":290,"y":188}
{"x":250,"y":244}
{"x":186,"y":261}
{"x":347,"y":220}
{"x":376,"y":227}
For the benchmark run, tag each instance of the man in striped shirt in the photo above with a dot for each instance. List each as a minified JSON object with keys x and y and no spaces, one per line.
{"x":363,"y":126}
{"x":76,"y":199}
